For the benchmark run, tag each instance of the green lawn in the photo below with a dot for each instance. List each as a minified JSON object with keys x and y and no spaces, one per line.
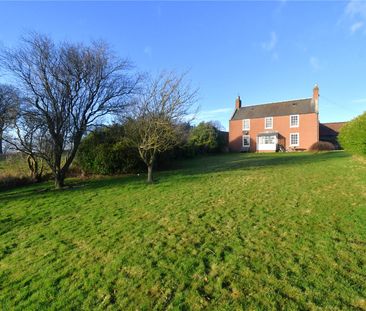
{"x":229,"y":232}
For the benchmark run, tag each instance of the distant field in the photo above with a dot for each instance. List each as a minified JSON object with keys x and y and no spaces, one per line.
{"x":13,"y":168}
{"x":14,"y":171}
{"x":229,"y":232}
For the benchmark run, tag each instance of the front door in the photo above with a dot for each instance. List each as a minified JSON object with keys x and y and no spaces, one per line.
{"x":246,"y":142}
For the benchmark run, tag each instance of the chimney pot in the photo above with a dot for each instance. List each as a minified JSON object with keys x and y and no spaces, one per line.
{"x":238,"y":103}
{"x":316,"y":97}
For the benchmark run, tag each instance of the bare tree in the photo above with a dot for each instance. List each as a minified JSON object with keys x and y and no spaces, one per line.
{"x":9,"y":103}
{"x":165,"y":102}
{"x":69,"y":87}
{"x":28,"y":136}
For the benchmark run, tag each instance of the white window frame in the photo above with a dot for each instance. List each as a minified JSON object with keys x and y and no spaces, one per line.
{"x":246,"y":128}
{"x":265,"y":123}
{"x":298,"y":120}
{"x":263,"y":140}
{"x":246,"y":136}
{"x":298,"y":140}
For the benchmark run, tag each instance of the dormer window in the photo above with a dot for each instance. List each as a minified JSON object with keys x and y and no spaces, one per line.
{"x":246,"y":124}
{"x":294,"y":120}
{"x":268,"y":123}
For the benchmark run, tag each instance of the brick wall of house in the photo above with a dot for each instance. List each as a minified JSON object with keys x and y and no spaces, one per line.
{"x":308,"y":131}
{"x":235,"y":135}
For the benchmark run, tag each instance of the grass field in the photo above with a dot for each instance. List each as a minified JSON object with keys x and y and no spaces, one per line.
{"x":229,"y":232}
{"x":13,"y":171}
{"x":16,"y":166}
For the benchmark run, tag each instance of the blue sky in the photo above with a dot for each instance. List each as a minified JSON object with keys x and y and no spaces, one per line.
{"x":264,"y":51}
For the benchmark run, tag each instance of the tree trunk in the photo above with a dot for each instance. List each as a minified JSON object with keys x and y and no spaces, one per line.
{"x":36,"y":171}
{"x":56,"y":169}
{"x":1,"y":141}
{"x":59,"y":181}
{"x":150,"y":173}
{"x":60,"y":172}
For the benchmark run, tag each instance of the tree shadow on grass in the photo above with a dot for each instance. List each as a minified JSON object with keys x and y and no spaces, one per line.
{"x":231,"y":162}
{"x":75,"y":184}
{"x":183,"y":168}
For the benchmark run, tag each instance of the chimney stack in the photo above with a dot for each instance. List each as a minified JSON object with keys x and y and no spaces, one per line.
{"x":316,"y":97}
{"x":238,"y":103}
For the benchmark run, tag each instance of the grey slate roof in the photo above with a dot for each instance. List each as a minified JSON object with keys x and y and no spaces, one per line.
{"x":297,"y":106}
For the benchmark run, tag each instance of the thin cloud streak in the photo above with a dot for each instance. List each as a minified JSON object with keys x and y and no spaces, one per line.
{"x":314,"y":63}
{"x":217,"y":110}
{"x":359,"y":101}
{"x":356,"y":26}
{"x":148,"y":50}
{"x":356,"y":8}
{"x":210,"y":115}
{"x":271,"y":44}
{"x":355,"y":11}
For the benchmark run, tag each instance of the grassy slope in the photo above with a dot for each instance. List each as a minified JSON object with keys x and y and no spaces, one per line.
{"x":226,"y":232}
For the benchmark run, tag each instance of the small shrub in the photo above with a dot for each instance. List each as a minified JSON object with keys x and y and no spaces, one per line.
{"x":352,"y":136}
{"x":322,"y":146}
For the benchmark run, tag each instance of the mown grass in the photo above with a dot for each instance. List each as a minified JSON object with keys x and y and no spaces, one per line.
{"x":230,"y":232}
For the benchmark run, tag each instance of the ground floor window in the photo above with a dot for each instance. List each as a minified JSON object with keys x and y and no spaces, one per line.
{"x":294,"y":139}
{"x":246,"y":141}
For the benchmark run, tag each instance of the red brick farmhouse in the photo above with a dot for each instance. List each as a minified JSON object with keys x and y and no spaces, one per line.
{"x":288,"y":125}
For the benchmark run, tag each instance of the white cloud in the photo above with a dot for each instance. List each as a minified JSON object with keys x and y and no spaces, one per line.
{"x":356,"y":8}
{"x":356,"y":26}
{"x":281,"y":4}
{"x":355,"y":11}
{"x":271,"y":43}
{"x":314,"y":63}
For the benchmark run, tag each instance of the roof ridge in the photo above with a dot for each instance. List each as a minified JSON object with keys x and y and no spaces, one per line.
{"x":289,"y":107}
{"x":278,"y":102}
